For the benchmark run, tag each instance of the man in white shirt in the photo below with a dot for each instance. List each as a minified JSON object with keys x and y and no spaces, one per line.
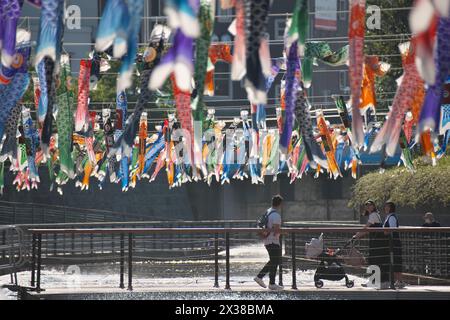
{"x":272,"y":244}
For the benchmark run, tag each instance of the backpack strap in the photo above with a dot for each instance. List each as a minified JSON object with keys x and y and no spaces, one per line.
{"x":270,"y":212}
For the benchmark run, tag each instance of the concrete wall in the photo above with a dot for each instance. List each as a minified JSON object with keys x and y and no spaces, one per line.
{"x":306,"y":200}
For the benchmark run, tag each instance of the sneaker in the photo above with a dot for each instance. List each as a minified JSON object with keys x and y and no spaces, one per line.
{"x":364,"y":285}
{"x":260,"y":282}
{"x":275,"y":287}
{"x":385,"y":285}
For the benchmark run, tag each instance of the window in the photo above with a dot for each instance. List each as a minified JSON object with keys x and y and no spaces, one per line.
{"x":280,"y":25}
{"x":343,"y":80}
{"x":226,"y":38}
{"x":326,"y":95}
{"x":225,"y":15}
{"x":214,"y":38}
{"x":342,"y":7}
{"x":277,"y":92}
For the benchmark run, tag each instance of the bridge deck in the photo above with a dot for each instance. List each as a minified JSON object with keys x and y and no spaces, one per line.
{"x":242,"y":291}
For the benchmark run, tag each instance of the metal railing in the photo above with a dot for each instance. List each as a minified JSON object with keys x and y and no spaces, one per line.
{"x":13,"y":213}
{"x":220,"y":238}
{"x":13,"y":253}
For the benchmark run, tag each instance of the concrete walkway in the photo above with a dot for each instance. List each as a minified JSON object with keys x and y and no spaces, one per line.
{"x":243,"y":291}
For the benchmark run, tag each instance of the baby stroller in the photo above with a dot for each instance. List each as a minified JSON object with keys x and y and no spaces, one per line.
{"x":330,"y":267}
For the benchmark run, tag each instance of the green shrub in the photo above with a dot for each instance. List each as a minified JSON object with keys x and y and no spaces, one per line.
{"x":428,"y":185}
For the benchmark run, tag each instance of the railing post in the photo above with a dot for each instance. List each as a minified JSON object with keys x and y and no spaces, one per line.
{"x":39,"y":251}
{"x":227,"y":260}
{"x":280,"y":275}
{"x":294,"y":262}
{"x":33,"y":260}
{"x":55,"y":240}
{"x":391,"y":261}
{"x":4,"y":243}
{"x":216,"y":260}
{"x":73,"y":243}
{"x":92,"y":244}
{"x":122,"y":260}
{"x":130,"y":261}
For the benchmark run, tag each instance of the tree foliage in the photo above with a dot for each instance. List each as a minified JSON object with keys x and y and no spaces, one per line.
{"x":394,"y":28}
{"x":427,"y":186}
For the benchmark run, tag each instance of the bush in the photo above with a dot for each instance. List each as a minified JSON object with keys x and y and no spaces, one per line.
{"x":427,"y":186}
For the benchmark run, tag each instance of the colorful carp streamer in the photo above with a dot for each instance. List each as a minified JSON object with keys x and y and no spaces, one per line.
{"x":50,"y":31}
{"x":64,"y":120}
{"x":298,"y":29}
{"x":303,"y":116}
{"x":21,"y":54}
{"x":403,"y":99}
{"x":293,"y":68}
{"x":182,"y":14}
{"x":183,"y":105}
{"x":178,"y":59}
{"x":87,"y":145}
{"x":31,"y":142}
{"x":321,"y":51}
{"x":48,"y":52}
{"x":120,"y":27}
{"x":81,"y":116}
{"x":9,"y":148}
{"x":444,"y":123}
{"x":237,"y":28}
{"x":206,"y":19}
{"x":327,"y":144}
{"x":356,"y":62}
{"x":9,"y":16}
{"x":13,"y":92}
{"x":113,"y":27}
{"x":257,"y":50}
{"x":126,"y":140}
{"x":217,"y":52}
{"x":135,"y":8}
{"x":423,"y":21}
{"x":429,"y":117}
{"x":372,"y":67}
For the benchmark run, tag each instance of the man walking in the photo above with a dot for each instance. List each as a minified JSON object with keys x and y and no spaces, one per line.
{"x":272,"y":244}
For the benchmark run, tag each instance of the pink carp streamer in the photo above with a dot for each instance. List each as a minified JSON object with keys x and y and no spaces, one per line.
{"x":81,"y":117}
{"x":356,"y":60}
{"x":239,"y":64}
{"x":404,"y":97}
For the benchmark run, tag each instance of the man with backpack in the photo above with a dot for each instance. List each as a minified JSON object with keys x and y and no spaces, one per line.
{"x":270,"y":223}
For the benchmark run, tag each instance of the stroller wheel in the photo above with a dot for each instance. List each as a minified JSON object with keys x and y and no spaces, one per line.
{"x":349,"y":284}
{"x":319,"y":284}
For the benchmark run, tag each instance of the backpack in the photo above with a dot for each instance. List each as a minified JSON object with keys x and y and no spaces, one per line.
{"x":264,"y":219}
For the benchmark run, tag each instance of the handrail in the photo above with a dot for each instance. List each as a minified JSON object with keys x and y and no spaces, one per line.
{"x":126,"y":235}
{"x":13,"y":247}
{"x":139,"y":222}
{"x":232,"y":230}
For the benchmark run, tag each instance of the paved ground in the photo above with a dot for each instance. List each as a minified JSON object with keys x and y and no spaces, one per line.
{"x":194,"y":280}
{"x":244,"y":292}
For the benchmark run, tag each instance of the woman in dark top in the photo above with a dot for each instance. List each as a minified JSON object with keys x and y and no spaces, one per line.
{"x":373,"y":221}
